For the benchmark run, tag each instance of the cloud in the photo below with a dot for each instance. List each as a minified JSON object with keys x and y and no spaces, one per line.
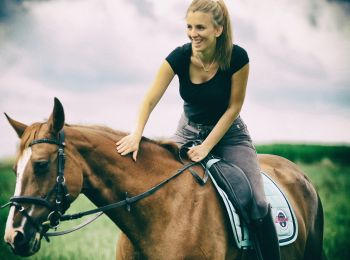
{"x":143,"y":7}
{"x":290,"y":56}
{"x":84,"y":44}
{"x":100,"y":56}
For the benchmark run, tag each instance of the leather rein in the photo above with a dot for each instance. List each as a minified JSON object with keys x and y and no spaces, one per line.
{"x":62,"y":202}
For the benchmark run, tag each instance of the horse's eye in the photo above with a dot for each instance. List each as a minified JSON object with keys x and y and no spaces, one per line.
{"x":41,"y":166}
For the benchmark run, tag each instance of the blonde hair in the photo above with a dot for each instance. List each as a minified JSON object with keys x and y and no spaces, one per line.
{"x":221,"y":17}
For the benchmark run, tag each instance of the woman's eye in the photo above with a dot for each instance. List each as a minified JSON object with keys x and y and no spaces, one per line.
{"x":41,"y":166}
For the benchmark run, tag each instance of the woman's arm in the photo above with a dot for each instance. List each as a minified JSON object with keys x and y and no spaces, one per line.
{"x":130,"y":143}
{"x":238,"y":90}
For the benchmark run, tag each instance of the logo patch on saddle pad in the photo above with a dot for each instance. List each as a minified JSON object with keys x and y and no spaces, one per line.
{"x":282,"y":219}
{"x":282,"y":213}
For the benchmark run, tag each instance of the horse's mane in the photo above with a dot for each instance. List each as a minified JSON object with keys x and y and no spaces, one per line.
{"x":165,"y":143}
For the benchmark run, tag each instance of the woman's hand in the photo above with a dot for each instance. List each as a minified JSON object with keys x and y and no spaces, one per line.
{"x":129,"y":144}
{"x":198,"y":152}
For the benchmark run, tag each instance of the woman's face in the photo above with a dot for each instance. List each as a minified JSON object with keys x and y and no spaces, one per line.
{"x":201,"y":31}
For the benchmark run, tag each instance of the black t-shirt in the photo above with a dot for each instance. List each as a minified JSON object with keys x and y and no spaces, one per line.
{"x":205,"y":103}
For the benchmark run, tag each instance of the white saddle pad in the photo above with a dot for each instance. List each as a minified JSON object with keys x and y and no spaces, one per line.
{"x":283,"y":215}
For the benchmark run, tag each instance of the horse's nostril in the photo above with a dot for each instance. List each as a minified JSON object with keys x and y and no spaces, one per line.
{"x":19,"y":238}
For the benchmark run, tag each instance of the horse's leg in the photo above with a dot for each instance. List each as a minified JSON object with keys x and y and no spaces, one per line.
{"x":125,"y":249}
{"x":314,"y":242}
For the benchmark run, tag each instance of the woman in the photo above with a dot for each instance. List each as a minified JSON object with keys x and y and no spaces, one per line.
{"x":213,"y":76}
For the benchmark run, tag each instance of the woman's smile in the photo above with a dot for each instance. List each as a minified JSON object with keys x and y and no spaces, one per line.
{"x":201,"y":30}
{"x":197,"y":42}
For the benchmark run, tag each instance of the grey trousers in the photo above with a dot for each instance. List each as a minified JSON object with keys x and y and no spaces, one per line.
{"x":235,"y":147}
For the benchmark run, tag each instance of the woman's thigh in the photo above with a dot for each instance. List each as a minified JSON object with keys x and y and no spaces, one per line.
{"x":244,"y":156}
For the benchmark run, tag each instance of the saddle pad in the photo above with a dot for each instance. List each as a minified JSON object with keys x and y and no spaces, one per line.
{"x":283,"y":215}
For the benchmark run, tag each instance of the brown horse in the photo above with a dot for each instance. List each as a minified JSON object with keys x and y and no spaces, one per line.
{"x":181,"y":220}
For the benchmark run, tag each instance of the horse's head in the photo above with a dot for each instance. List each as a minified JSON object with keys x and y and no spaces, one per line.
{"x":45,"y":184}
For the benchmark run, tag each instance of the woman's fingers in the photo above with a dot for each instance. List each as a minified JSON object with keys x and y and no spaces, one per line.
{"x":127,"y":145}
{"x":134,"y":155}
{"x":196,"y":159}
{"x":193,"y":155}
{"x":126,"y":148}
{"x":123,"y":140}
{"x":197,"y":153}
{"x":123,"y":145}
{"x":191,"y":151}
{"x":125,"y":152}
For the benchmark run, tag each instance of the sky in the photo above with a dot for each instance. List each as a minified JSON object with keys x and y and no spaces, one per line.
{"x":100,"y":56}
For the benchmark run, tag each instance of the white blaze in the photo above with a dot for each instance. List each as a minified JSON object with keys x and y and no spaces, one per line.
{"x":21,"y":165}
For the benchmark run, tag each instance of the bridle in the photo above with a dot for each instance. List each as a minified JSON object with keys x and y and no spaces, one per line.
{"x":62,"y":198}
{"x":61,"y":202}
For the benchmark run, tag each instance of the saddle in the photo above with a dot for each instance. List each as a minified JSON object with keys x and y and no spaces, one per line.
{"x":284,"y":217}
{"x":236,"y":192}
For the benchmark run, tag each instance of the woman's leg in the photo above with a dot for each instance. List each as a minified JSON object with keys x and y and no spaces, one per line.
{"x":236,"y":147}
{"x":245,"y":158}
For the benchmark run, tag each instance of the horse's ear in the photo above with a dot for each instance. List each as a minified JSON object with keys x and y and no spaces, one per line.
{"x":56,"y":120}
{"x":19,"y":127}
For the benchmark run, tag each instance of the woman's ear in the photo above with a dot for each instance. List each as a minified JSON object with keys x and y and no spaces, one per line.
{"x":219,"y":31}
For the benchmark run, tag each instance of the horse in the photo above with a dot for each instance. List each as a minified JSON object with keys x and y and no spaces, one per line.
{"x":179,"y":220}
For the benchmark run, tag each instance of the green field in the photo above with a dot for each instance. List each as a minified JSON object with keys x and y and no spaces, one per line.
{"x":327,"y":166}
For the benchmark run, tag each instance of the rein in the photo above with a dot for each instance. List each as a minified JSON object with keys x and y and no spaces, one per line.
{"x":61,"y":201}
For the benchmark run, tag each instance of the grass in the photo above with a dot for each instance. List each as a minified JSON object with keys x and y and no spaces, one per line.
{"x":330,"y":175}
{"x":307,"y":153}
{"x":332,"y":182}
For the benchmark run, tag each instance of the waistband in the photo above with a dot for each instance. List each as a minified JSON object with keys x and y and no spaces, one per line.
{"x":197,"y":125}
{"x":204,"y":126}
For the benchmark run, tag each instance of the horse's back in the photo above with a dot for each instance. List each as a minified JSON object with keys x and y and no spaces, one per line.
{"x":296,"y":186}
{"x":305,"y":202}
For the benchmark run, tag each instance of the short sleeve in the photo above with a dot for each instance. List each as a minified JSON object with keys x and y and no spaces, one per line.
{"x":239,"y":59}
{"x":174,"y":59}
{"x":177,"y":58}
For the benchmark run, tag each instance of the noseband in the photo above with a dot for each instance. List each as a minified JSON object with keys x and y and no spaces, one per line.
{"x":62,"y":202}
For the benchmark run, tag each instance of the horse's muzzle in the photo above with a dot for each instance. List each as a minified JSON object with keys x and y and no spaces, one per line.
{"x":23,"y":245}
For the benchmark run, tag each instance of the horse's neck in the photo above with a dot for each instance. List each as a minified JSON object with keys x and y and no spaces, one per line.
{"x":108,"y":176}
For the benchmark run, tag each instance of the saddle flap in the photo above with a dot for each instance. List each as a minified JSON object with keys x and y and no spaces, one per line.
{"x":284,"y":217}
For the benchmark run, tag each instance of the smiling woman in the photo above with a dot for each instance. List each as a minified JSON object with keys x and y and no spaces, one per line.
{"x":213,"y":74}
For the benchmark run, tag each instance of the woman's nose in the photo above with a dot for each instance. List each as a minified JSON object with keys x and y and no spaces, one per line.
{"x":193,"y":33}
